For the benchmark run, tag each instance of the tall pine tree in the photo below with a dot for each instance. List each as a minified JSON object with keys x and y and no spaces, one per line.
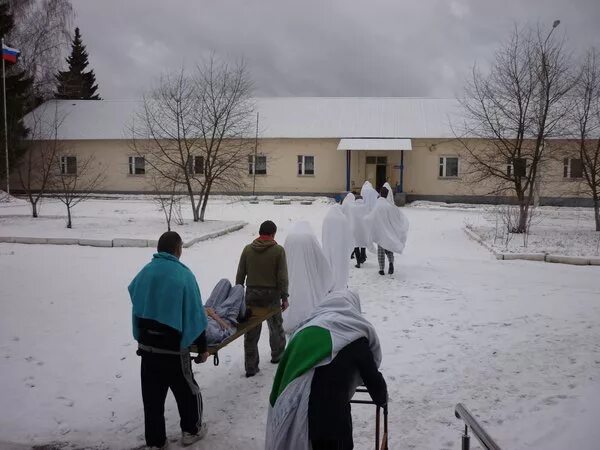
{"x":75,"y":83}
{"x":18,"y":93}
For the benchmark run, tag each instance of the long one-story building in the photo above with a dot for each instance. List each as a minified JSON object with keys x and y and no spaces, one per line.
{"x":316,"y":145}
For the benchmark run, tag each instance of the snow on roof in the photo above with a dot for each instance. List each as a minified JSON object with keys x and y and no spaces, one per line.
{"x":279,"y":117}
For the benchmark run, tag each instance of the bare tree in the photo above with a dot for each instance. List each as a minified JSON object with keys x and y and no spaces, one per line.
{"x":168,"y":199}
{"x":42,"y":33}
{"x":75,"y":180}
{"x":198,"y":132}
{"x":586,"y":118}
{"x":514,"y":109}
{"x":37,"y":169}
{"x":226,"y":123}
{"x":166,"y":135}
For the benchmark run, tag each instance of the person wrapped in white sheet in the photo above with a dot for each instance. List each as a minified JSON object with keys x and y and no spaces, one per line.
{"x":390,"y":195}
{"x":334,"y":350}
{"x":356,"y":211}
{"x":309,"y":274}
{"x":389,"y":230}
{"x":225,"y":308}
{"x":369,"y":195}
{"x":338,"y":243}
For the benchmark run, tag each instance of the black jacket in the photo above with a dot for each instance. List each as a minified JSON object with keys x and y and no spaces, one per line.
{"x":156,"y":334}
{"x":329,"y":415}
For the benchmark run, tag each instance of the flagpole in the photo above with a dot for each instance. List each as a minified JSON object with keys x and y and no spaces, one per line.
{"x":5,"y":122}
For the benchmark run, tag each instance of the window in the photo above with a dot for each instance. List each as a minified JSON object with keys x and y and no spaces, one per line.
{"x":573,"y":168}
{"x":68,"y":165}
{"x":306,"y":165}
{"x":379,"y":160}
{"x":257,"y":165}
{"x":137,"y":165}
{"x":448,"y":167}
{"x":516,"y":167}
{"x":196,"y":165}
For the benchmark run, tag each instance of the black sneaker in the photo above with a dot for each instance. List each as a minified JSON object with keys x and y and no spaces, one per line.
{"x":381,"y":272}
{"x":357,"y":266}
{"x":251,"y":374}
{"x":391,"y":269}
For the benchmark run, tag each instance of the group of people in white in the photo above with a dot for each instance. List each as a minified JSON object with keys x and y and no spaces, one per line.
{"x":332,"y":347}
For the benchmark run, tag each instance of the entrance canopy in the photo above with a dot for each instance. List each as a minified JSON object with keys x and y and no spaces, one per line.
{"x":375,"y":144}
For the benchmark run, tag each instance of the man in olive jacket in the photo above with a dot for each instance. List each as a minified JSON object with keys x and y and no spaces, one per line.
{"x":263,"y":269}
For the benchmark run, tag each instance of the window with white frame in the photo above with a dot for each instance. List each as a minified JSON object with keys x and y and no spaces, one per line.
{"x":68,"y":165}
{"x":196,"y":165}
{"x":137,"y":165}
{"x":516,"y":167}
{"x":257,"y":165}
{"x":306,"y":165}
{"x":448,"y":167}
{"x":572,"y":168}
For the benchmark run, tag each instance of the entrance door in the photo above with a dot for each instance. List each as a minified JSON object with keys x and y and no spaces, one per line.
{"x":381,"y":176}
{"x":376,"y":170}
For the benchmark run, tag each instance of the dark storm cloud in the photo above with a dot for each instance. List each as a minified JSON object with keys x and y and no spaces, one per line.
{"x":317,"y":47}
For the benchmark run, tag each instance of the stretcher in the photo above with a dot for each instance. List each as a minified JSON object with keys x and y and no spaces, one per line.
{"x":258,"y":316}
{"x":384,"y":437}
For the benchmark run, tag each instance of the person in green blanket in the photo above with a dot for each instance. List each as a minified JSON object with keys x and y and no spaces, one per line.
{"x":328,"y":357}
{"x":168,"y":317}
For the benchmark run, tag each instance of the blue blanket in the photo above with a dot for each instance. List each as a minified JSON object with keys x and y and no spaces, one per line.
{"x":165,"y":290}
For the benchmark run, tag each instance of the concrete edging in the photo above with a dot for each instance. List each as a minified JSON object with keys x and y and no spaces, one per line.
{"x":540,"y":257}
{"x":117,"y":242}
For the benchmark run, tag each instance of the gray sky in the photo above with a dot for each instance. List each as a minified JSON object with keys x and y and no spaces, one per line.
{"x":317,"y":47}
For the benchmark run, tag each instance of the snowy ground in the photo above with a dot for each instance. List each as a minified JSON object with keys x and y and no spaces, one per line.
{"x":558,"y":231}
{"x":518,"y":342}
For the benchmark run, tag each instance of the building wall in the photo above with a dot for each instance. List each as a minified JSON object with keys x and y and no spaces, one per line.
{"x":421,"y":168}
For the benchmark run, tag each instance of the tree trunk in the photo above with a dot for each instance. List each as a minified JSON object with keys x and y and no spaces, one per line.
{"x":597,"y":212}
{"x":69,"y":224}
{"x":34,"y":211}
{"x":205,"y":196}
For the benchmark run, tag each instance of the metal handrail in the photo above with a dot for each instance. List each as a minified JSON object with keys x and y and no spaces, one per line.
{"x":461,"y":412}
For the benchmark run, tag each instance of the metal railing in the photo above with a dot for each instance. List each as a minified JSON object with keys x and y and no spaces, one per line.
{"x":461,"y":412}
{"x":385,"y":437}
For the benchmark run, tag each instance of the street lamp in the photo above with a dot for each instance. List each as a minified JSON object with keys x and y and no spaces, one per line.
{"x":554,"y":25}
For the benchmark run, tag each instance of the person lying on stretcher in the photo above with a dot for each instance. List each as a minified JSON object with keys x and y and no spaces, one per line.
{"x":225,"y":309}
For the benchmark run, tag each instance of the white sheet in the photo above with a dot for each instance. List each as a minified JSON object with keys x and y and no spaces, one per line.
{"x":309,"y":273}
{"x":356,"y":211}
{"x":369,"y":195}
{"x":388,"y":225}
{"x":338,"y":243}
{"x":390,"y":195}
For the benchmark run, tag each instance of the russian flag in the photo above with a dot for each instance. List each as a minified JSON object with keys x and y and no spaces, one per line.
{"x":10,"y":54}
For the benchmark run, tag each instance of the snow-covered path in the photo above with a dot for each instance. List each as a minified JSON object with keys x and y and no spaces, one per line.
{"x":517,"y":342}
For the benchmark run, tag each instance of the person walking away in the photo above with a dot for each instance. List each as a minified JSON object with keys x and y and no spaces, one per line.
{"x":356,"y":211}
{"x":311,"y":278}
{"x":263,"y":269}
{"x":338,"y":241}
{"x":329,"y":356}
{"x":168,"y":317}
{"x":389,"y":229}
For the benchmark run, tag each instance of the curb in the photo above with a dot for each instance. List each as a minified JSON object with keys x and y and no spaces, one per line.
{"x":117,"y":242}
{"x":540,"y":257}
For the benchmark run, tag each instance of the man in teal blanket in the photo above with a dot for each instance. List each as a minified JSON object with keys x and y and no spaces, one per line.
{"x":168,"y":317}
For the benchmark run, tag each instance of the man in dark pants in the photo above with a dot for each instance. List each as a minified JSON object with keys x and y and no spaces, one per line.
{"x":329,"y":417}
{"x":168,"y":317}
{"x":263,"y":269}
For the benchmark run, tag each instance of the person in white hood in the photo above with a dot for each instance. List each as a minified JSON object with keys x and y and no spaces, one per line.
{"x":356,"y":211}
{"x":390,"y":195}
{"x":369,"y":195}
{"x":309,"y":274}
{"x":389,"y":230}
{"x":338,"y":243}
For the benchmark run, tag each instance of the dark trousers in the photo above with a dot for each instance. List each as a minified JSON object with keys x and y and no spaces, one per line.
{"x":360,"y":254}
{"x":263,"y":298}
{"x":331,"y":445}
{"x":159,"y":374}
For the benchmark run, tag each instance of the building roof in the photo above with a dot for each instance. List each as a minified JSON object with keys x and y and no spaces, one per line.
{"x":279,"y":117}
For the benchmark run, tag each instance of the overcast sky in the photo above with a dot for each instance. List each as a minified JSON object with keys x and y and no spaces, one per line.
{"x":421,"y":48}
